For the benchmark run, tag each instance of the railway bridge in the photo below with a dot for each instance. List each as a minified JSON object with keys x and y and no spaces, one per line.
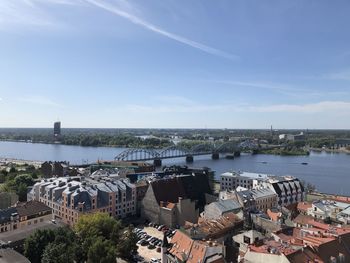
{"x":231,"y":149}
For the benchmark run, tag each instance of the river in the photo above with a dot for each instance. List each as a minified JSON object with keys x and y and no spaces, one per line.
{"x":330,"y":172}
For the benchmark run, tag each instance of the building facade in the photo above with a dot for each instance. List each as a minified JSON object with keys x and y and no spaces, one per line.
{"x":24,"y":215}
{"x":172,"y":201}
{"x":289,"y":190}
{"x":70,"y":199}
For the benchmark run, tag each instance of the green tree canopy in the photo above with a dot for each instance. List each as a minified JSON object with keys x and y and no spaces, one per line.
{"x":35,"y":245}
{"x":102,"y":251}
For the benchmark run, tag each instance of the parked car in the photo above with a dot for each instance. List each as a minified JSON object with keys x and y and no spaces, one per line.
{"x":144,"y":243}
{"x":150,"y":246}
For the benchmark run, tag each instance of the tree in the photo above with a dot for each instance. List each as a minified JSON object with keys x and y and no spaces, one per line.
{"x":127,"y":243}
{"x":102,"y":251}
{"x":58,"y":253}
{"x":26,"y":179}
{"x":98,"y":224}
{"x":36,"y":243}
{"x":22,"y":192}
{"x":110,"y":232}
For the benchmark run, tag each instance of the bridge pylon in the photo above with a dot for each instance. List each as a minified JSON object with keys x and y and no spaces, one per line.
{"x":215,"y":156}
{"x":157,"y":162}
{"x":237,"y":153}
{"x":189,"y":158}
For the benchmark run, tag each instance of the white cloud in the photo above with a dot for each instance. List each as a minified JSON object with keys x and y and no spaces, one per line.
{"x":149,"y":26}
{"x":40,"y":100}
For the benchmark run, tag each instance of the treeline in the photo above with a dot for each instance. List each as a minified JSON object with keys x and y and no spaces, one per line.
{"x":90,"y":139}
{"x":121,"y":140}
{"x":95,"y":238}
{"x":17,"y":180}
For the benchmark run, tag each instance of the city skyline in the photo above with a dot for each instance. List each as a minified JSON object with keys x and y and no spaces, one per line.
{"x":116,"y":64}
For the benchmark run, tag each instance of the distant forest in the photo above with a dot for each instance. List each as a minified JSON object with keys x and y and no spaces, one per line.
{"x":160,"y":138}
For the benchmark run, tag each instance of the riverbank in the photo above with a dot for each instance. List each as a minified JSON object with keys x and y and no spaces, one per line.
{"x":285,"y":152}
{"x":327,"y":150}
{"x":5,"y":161}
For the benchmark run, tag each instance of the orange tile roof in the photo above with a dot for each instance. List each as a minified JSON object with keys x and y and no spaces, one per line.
{"x":344,"y":199}
{"x":214,"y":228}
{"x":167,"y":205}
{"x":303,"y":219}
{"x":317,"y":241}
{"x":197,"y":253}
{"x":303,"y":206}
{"x":275,"y":216}
{"x":272,"y":244}
{"x":182,"y":245}
{"x":188,"y":250}
{"x":319,"y":225}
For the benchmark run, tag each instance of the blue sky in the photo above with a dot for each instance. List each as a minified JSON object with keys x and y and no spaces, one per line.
{"x":175,"y":64}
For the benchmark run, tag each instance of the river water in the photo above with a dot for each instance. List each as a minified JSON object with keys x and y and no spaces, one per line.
{"x":330,"y":172}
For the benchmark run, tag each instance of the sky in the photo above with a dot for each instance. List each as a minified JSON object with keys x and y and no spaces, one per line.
{"x":175,"y":64}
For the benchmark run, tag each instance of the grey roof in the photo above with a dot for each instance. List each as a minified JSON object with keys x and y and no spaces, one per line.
{"x":83,"y":192}
{"x":345,"y":211}
{"x":255,"y":193}
{"x":227,"y":205}
{"x":5,"y":214}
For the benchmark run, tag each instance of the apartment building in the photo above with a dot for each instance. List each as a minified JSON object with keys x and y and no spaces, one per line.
{"x":24,"y":215}
{"x":260,"y":199}
{"x":289,"y":190}
{"x":232,"y":180}
{"x":70,"y":198}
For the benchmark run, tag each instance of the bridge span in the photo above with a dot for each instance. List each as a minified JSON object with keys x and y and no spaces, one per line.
{"x":231,"y":148}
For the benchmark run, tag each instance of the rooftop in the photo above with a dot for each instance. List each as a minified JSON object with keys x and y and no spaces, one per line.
{"x":31,"y":208}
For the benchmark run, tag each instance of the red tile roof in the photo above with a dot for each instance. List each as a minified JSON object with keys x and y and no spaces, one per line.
{"x":303,"y":219}
{"x":182,"y":245}
{"x":303,"y":206}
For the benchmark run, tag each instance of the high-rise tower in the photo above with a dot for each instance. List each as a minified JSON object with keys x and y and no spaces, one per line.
{"x":57,"y":130}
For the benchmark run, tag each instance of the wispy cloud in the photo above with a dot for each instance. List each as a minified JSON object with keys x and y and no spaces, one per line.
{"x":29,"y":13}
{"x":40,"y":100}
{"x":260,"y":85}
{"x":189,"y":106}
{"x":174,"y":99}
{"x":285,"y":89}
{"x":340,"y":75}
{"x":319,"y":107}
{"x":149,"y":26}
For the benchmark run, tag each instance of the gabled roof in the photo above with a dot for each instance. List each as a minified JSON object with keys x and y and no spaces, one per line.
{"x":306,"y":254}
{"x":304,"y":206}
{"x":5,"y":214}
{"x":225,"y":206}
{"x":192,"y":187}
{"x":188,"y":250}
{"x":303,"y":219}
{"x":182,"y":245}
{"x":32,"y":208}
